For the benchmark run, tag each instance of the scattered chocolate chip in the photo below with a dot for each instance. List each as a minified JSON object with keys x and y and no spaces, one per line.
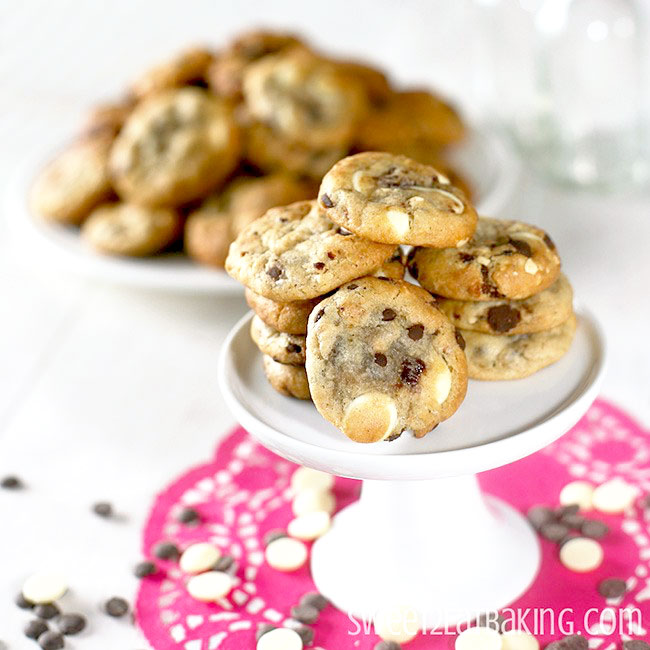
{"x":103,"y":509}
{"x":188,"y":516}
{"x":116,"y":607}
{"x":612,"y":588}
{"x":331,"y":255}
{"x":46,"y":611}
{"x":274,"y":272}
{"x":319,"y":266}
{"x":594,"y":528}
{"x":416,"y":332}
{"x":411,"y":371}
{"x":305,"y":614}
{"x":22,"y":602}
{"x":34,"y":628}
{"x":466,"y":257}
{"x":144,"y":569}
{"x":70,"y":624}
{"x":272,"y":535}
{"x":305,"y":633}
{"x":570,"y":509}
{"x":380,"y":359}
{"x":294,"y":348}
{"x":224,"y":563}
{"x":387,"y":645}
{"x":503,"y":318}
{"x":262,"y":629}
{"x":572,"y":520}
{"x":554,"y":531}
{"x":493,"y":622}
{"x":575,"y":642}
{"x":11,"y":483}
{"x":388,"y":314}
{"x":326,"y":201}
{"x":352,"y":287}
{"x":636,"y":644}
{"x":314,"y":599}
{"x":319,"y":315}
{"x":549,"y":242}
{"x":51,"y":640}
{"x":166,"y":551}
{"x":459,"y":339}
{"x":522,"y":247}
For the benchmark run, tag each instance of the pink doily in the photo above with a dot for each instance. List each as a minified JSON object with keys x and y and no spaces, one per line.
{"x":243,"y":493}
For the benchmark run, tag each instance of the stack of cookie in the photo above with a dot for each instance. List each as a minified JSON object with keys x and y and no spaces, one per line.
{"x":207,"y":142}
{"x":504,"y":290}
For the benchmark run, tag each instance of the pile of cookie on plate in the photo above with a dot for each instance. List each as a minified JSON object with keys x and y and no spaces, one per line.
{"x":337,"y":323}
{"x":205,"y":143}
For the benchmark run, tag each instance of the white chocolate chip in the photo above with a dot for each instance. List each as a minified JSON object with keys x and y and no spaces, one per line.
{"x":457,"y":206}
{"x":442,"y":383}
{"x":282,"y":638}
{"x":305,"y":478}
{"x":479,"y":638}
{"x":578,"y":493}
{"x":399,"y":624}
{"x":472,"y":319}
{"x":210,"y":586}
{"x":44,"y":587}
{"x":462,"y":242}
{"x":360,"y":181}
{"x":530,"y":267}
{"x":519,"y":640}
{"x":286,"y":554}
{"x":614,"y":496}
{"x":581,"y":554}
{"x":442,"y":179}
{"x":484,"y":261}
{"x":313,"y":501}
{"x":370,"y":417}
{"x":399,"y":221}
{"x":199,"y":557}
{"x":309,"y":526}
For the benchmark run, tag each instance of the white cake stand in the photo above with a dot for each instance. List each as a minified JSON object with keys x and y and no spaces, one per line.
{"x":423,"y":534}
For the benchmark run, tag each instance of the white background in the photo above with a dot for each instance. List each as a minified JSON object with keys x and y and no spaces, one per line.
{"x":107,"y":393}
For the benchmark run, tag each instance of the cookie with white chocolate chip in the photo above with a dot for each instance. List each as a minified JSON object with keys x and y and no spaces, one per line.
{"x":287,"y":379}
{"x":396,"y":200}
{"x":295,"y":252}
{"x":382,"y":358}
{"x":504,"y":259}
{"x":542,"y":311}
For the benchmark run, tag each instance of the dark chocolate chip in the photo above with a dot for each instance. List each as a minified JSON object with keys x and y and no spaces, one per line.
{"x":466,"y":257}
{"x":103,"y":509}
{"x":46,"y":611}
{"x":22,"y":602}
{"x":319,"y":315}
{"x":275,"y":272}
{"x":414,"y":271}
{"x":326,"y":201}
{"x":388,"y":314}
{"x":574,"y":521}
{"x":503,"y":318}
{"x":314,"y":599}
{"x":166,"y":551}
{"x":575,"y":642}
{"x":262,"y":629}
{"x":549,"y":242}
{"x":319,"y":265}
{"x":70,"y":624}
{"x":521,"y":246}
{"x":416,"y":332}
{"x":188,"y":516}
{"x":570,"y":509}
{"x":636,"y":644}
{"x":554,"y":531}
{"x":331,"y":255}
{"x":144,"y":569}
{"x":489,"y":619}
{"x":380,"y":359}
{"x":34,"y":628}
{"x":294,"y":348}
{"x":459,"y":339}
{"x":411,"y":371}
{"x":612,"y":588}
{"x":352,"y":286}
{"x":594,"y":528}
{"x":305,"y":614}
{"x":224,"y":563}
{"x":11,"y":483}
{"x":387,"y":645}
{"x":116,"y":607}
{"x":306,"y":633}
{"x":51,"y":640}
{"x":272,"y":535}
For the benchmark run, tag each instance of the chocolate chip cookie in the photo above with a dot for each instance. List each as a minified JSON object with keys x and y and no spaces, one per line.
{"x":286,"y":379}
{"x":495,"y":357}
{"x":295,"y":253}
{"x":382,"y":358}
{"x":396,"y":200}
{"x":304,"y":97}
{"x":208,"y":233}
{"x":72,"y":184}
{"x":280,"y":346}
{"x":542,"y":311}
{"x":131,"y":230}
{"x":504,"y":259}
{"x":175,"y":146}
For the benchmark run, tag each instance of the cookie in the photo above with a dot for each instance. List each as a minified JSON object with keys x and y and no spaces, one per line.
{"x":291,"y":317}
{"x":286,"y":379}
{"x":295,"y":252}
{"x":304,"y":98}
{"x":131,"y":230}
{"x":396,"y":200}
{"x":504,"y":259}
{"x":269,"y":151}
{"x":382,"y":358}
{"x":280,"y":346}
{"x":185,"y":69}
{"x":176,"y":146}
{"x":208,"y":233}
{"x":542,"y":311}
{"x":495,"y":357}
{"x":374,"y":82}
{"x":107,"y":118}
{"x":72,"y":184}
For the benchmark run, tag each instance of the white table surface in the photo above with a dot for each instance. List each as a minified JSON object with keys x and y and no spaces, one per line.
{"x":108,"y":393}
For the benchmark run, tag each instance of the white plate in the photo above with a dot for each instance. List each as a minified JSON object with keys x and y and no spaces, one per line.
{"x":498,"y":423}
{"x":484,"y":160}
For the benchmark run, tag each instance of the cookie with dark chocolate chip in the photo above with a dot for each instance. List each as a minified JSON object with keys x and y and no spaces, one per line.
{"x":296,"y":252}
{"x":495,"y":356}
{"x":542,"y":311}
{"x":382,"y":359}
{"x":287,"y":379}
{"x":396,"y":200}
{"x":280,"y":346}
